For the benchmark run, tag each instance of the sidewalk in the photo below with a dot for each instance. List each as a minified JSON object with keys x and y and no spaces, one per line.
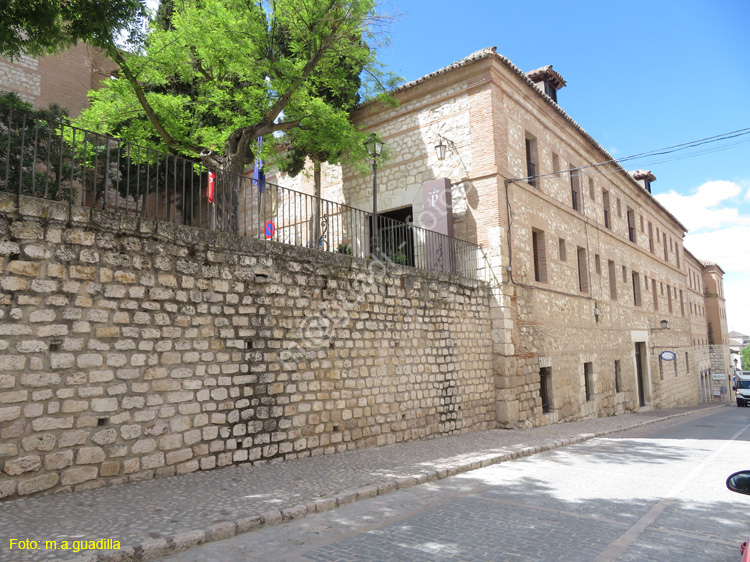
{"x":155,"y":518}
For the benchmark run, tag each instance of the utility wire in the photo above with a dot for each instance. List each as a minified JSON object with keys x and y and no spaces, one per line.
{"x":663,"y":151}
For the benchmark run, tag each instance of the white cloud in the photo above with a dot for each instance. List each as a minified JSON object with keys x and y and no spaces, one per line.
{"x":718,"y":219}
{"x":704,"y":210}
{"x":729,"y":247}
{"x":737,"y":294}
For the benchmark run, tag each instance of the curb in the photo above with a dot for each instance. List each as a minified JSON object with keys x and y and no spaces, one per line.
{"x":162,"y":547}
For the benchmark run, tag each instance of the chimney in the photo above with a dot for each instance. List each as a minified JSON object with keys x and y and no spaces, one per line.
{"x":547,"y":80}
{"x":644,"y":177}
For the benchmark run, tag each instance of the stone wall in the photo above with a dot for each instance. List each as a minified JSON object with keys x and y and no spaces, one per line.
{"x":22,"y":77}
{"x":134,"y":349}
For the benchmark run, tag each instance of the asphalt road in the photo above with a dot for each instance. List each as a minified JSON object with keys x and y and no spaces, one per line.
{"x":653,"y":494}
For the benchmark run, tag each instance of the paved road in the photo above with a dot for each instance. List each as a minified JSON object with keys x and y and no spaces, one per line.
{"x":651,"y":494}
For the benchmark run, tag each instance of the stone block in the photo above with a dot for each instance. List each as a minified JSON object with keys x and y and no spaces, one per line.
{"x":76,"y":475}
{"x":58,"y":460}
{"x":40,"y":380}
{"x":20,"y":465}
{"x":107,"y":332}
{"x":90,"y":455}
{"x":73,"y":438}
{"x":105,"y":436}
{"x":37,"y":484}
{"x":143,"y":446}
{"x":8,"y":450}
{"x":104,"y":405}
{"x":12,"y":362}
{"x":62,"y":360}
{"x":39,"y":442}
{"x":152,"y":461}
{"x":14,"y":284}
{"x":26,"y":268}
{"x":47,"y":424}
{"x":14,"y":396}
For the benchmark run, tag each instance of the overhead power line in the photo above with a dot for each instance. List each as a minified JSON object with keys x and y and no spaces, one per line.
{"x":664,"y":151}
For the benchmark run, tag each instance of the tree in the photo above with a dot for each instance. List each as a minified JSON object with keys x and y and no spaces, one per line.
{"x":45,"y":26}
{"x":219,"y":74}
{"x":322,"y":141}
{"x":746,"y":358}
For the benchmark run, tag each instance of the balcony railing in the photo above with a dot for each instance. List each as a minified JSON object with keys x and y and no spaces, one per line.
{"x":55,"y":160}
{"x":531,"y":172}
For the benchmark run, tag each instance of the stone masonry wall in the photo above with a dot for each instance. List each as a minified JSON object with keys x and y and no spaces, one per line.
{"x":134,"y":349}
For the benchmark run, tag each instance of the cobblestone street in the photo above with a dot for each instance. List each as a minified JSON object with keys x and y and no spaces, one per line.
{"x":652,"y":494}
{"x":156,"y":518}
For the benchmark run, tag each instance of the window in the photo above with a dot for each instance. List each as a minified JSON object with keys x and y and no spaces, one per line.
{"x":669,"y":299}
{"x":605,"y":205}
{"x":583,"y":266}
{"x":612,"y":280}
{"x":666,"y":255}
{"x":540,"y":255}
{"x":618,"y":376}
{"x":555,"y":163}
{"x":532,"y":159}
{"x":575,"y":190}
{"x":545,"y":388}
{"x":661,"y":368}
{"x":631,"y":225}
{"x":562,"y":249}
{"x":674,"y":364}
{"x":656,"y":296}
{"x":677,"y":255}
{"x":650,"y":237}
{"x":592,"y":195}
{"x":636,"y":289}
{"x":597,"y":264}
{"x":682,"y":305}
{"x":687,"y":363}
{"x":641,"y":223}
{"x":624,"y":274}
{"x":619,"y":208}
{"x":588,"y":382}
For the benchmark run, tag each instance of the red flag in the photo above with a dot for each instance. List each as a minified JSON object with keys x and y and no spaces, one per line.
{"x":210,"y":190}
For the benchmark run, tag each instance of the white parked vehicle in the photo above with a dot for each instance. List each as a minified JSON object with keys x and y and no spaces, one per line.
{"x":742,"y":387}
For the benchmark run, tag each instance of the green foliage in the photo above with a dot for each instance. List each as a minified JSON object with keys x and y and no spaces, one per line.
{"x":746,"y":358}
{"x":33,"y":154}
{"x":344,"y":248}
{"x":399,"y":258}
{"x":214,"y":75}
{"x":44,"y":26}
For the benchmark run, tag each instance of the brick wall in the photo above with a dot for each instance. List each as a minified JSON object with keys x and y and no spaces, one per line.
{"x":131,"y":350}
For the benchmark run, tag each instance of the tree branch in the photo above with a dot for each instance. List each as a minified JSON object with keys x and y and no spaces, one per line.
{"x":150,"y":113}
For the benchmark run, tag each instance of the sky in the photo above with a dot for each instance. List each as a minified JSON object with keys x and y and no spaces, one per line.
{"x":641,"y":75}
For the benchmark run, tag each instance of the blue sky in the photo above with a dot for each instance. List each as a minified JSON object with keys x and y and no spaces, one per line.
{"x":641,"y":75}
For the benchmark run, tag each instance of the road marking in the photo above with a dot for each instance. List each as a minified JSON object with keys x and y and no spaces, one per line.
{"x":618,"y":547}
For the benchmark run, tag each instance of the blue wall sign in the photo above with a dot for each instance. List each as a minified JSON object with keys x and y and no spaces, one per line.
{"x":668,"y":355}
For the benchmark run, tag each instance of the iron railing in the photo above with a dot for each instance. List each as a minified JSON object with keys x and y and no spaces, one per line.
{"x":55,"y":160}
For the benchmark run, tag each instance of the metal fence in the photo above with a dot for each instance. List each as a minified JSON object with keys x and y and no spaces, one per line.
{"x":55,"y":160}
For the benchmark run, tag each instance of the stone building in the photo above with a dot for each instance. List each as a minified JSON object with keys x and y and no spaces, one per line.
{"x":63,"y":78}
{"x":132,"y":348}
{"x":592,"y":282}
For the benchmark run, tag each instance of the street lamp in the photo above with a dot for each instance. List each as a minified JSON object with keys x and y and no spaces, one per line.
{"x":374,"y":149}
{"x":443,"y":145}
{"x":664,"y":324}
